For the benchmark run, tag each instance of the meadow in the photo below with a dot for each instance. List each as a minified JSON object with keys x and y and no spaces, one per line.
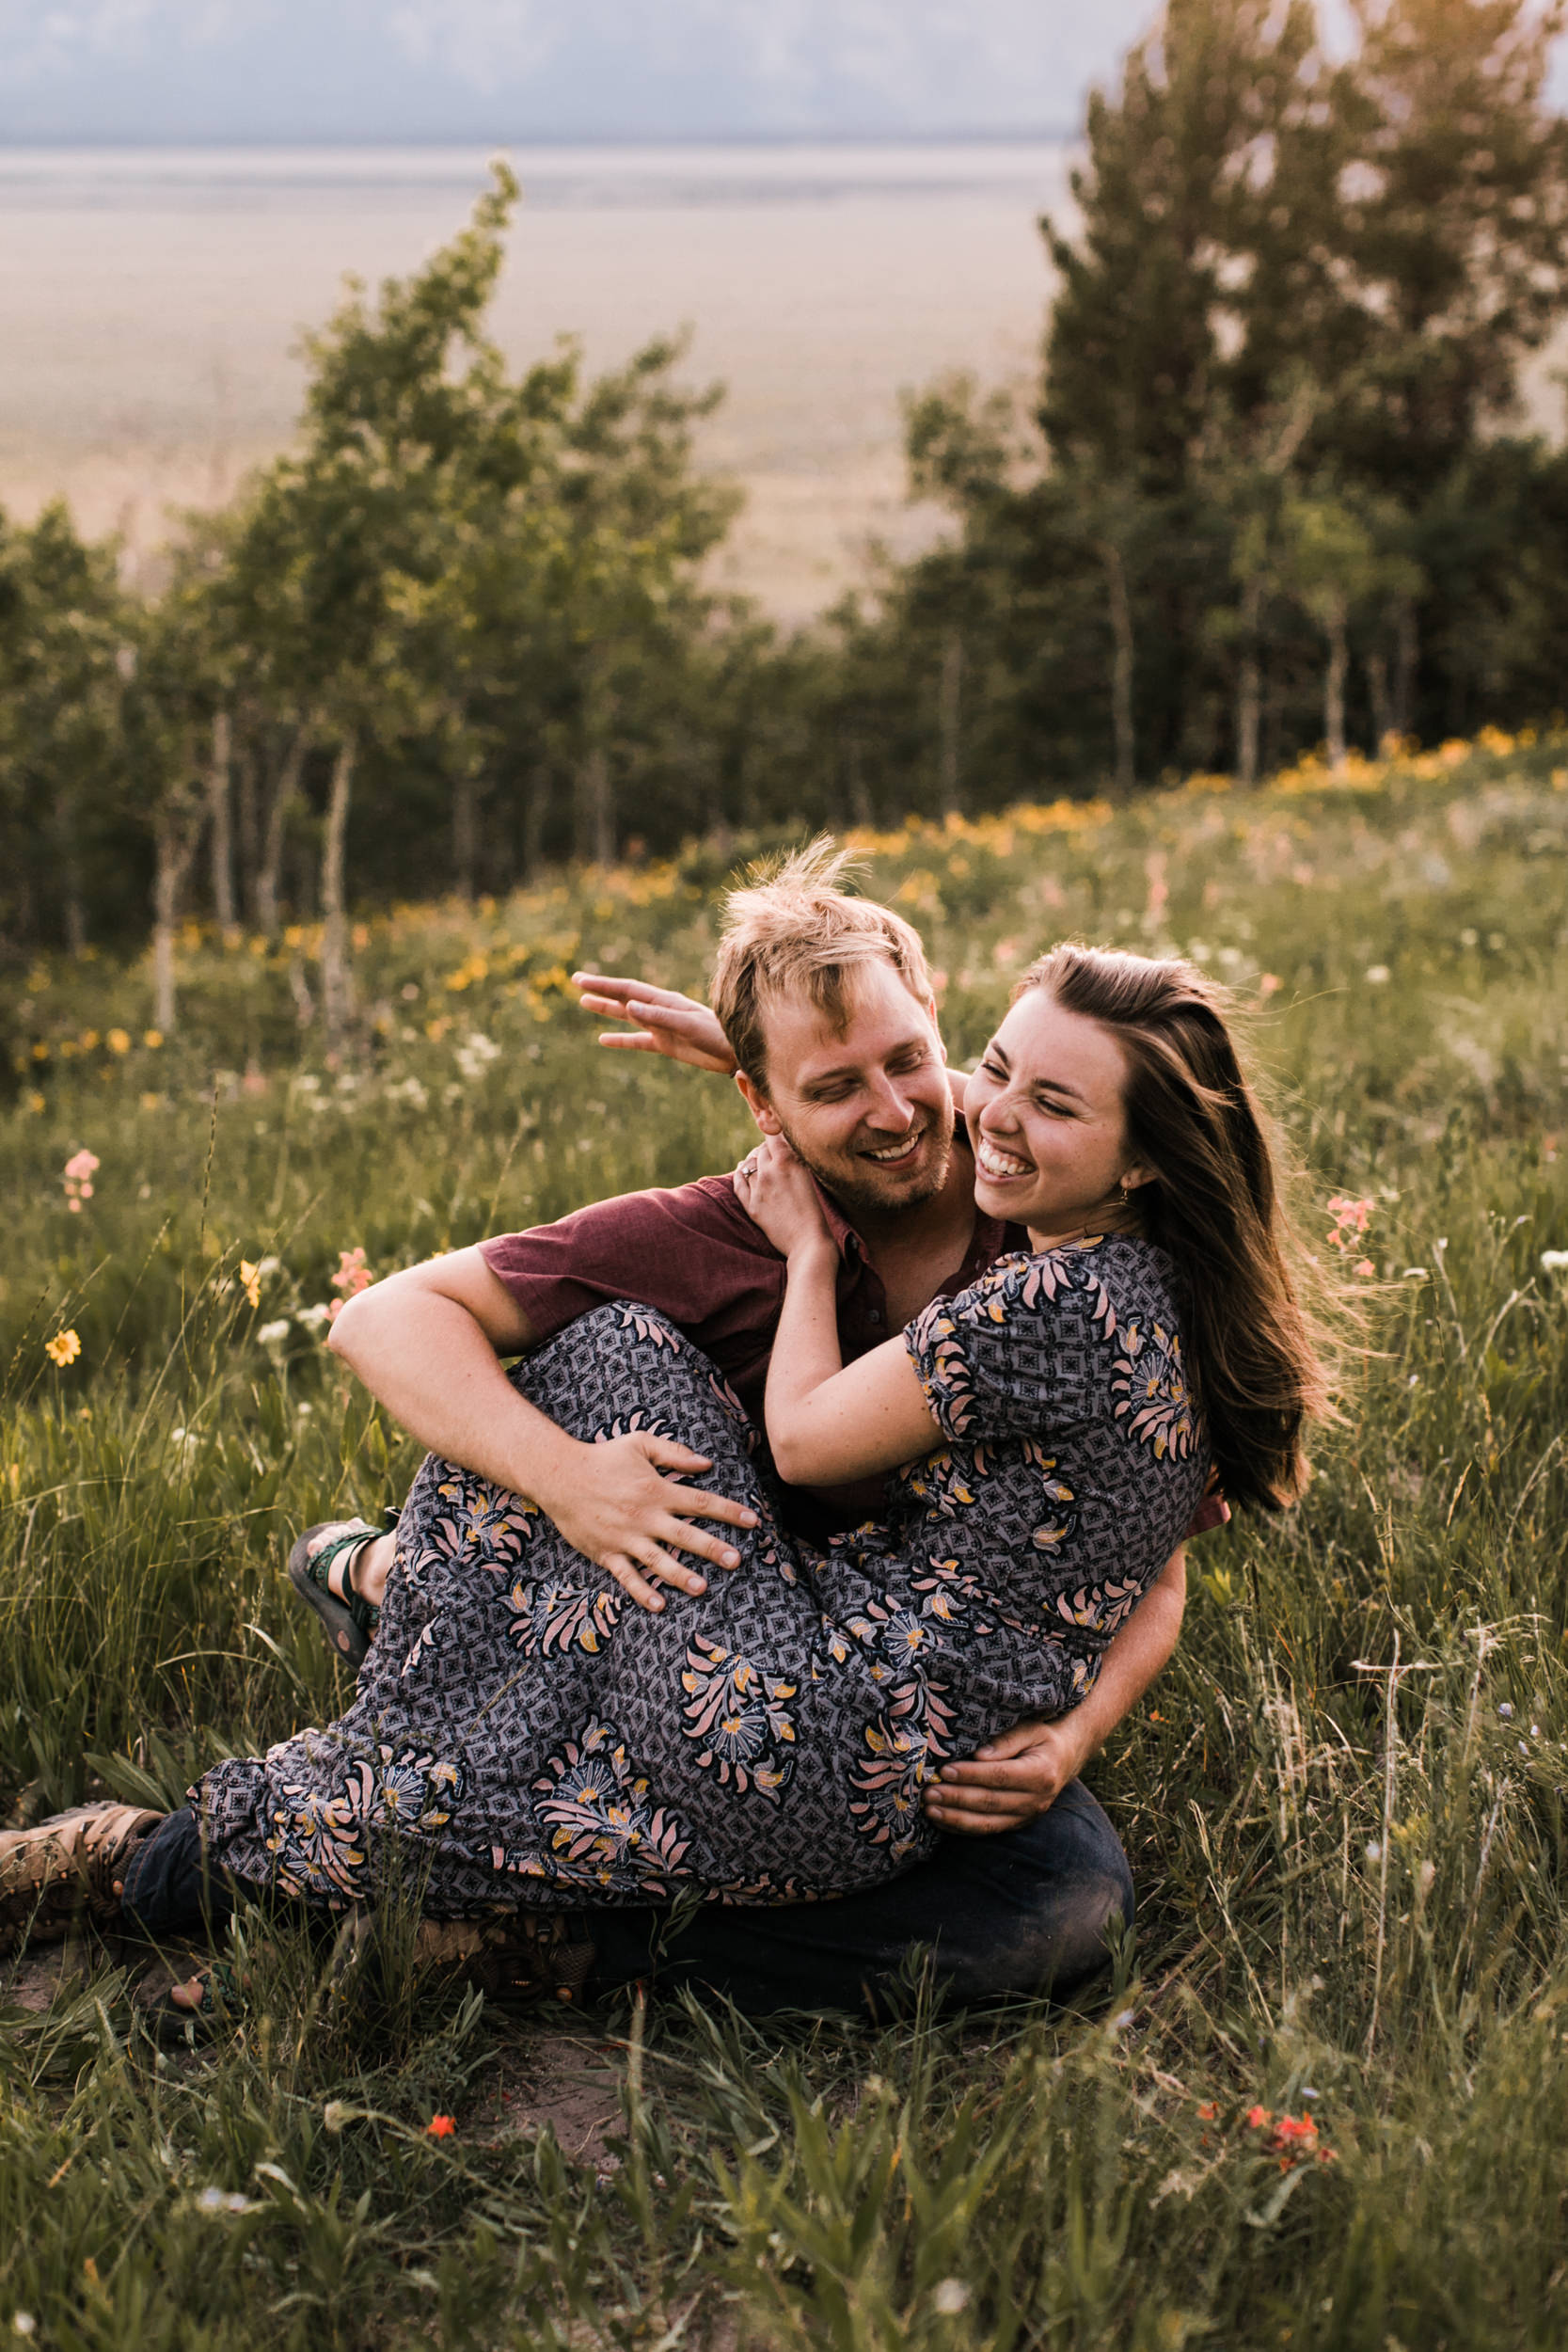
{"x":1324,"y":2103}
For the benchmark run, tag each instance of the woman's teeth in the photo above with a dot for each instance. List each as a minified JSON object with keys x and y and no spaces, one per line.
{"x":996,"y":1162}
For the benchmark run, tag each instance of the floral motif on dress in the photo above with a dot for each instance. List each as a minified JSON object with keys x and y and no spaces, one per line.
{"x":551,"y":1617}
{"x":739,"y":1718}
{"x":602,"y":1829}
{"x":477,"y":1522}
{"x":901,"y":1750}
{"x":1149,"y":1383}
{"x":320,"y":1836}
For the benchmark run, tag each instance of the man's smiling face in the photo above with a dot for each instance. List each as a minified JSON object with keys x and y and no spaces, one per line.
{"x":866,"y":1107}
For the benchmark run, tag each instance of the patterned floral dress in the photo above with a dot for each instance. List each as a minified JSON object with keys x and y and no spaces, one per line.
{"x":523,"y":1733}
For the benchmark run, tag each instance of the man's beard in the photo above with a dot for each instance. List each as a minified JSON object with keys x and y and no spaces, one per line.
{"x":854,"y":1184}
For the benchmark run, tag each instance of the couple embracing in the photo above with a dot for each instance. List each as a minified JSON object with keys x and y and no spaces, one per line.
{"x":827,"y":1519}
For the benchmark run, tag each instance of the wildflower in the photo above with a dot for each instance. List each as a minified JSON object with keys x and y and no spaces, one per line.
{"x":1364,"y":1267}
{"x":1350,"y":1218}
{"x":1258,"y":2118}
{"x":1554,"y":1262}
{"x":63,"y":1348}
{"x":118,"y":1040}
{"x":1377,"y":974}
{"x":23,"y":2324}
{"x":949,"y":2297}
{"x":250,"y":1281}
{"x":274,"y":1334}
{"x":1269,"y":983}
{"x":1505,"y":1710}
{"x":312,"y":1318}
{"x":353,"y":1275}
{"x":1207,"y":2110}
{"x":153,"y":1039}
{"x":79,"y":1172}
{"x":441,"y":2126}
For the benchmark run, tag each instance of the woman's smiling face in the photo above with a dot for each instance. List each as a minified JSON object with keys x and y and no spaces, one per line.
{"x":1046,"y":1118}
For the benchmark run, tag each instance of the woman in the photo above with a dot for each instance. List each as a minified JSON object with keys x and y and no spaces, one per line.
{"x":522,"y":1741}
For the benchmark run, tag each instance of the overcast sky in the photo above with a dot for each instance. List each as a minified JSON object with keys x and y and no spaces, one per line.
{"x":163,"y":70}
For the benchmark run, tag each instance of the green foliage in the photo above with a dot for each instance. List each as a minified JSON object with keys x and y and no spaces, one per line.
{"x":1343,"y":1803}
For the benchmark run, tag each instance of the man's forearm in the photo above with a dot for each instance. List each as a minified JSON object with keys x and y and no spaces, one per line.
{"x":428,"y":1361}
{"x":1136,"y":1653}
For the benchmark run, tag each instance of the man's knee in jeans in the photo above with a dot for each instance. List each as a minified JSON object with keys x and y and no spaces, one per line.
{"x":1061,"y":1899}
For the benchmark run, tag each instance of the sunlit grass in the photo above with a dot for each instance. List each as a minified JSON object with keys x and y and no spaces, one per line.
{"x":1343,"y":1801}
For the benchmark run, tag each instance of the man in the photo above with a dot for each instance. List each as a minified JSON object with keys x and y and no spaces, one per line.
{"x":824,"y":1008}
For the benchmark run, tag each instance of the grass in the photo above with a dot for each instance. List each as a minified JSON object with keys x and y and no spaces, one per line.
{"x":1344,"y":1802}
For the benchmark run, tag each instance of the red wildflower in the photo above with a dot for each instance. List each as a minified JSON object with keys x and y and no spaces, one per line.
{"x":441,"y":2126}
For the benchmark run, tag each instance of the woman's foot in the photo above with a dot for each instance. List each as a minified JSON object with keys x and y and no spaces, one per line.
{"x":341,"y":1568}
{"x":69,"y":1867}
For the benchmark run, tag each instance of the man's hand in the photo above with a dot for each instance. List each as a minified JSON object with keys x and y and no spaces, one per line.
{"x":1008,"y":1782}
{"x":625,"y":1518}
{"x":666,"y":1022}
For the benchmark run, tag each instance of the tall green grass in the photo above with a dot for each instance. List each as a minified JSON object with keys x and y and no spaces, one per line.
{"x":1344,"y":1801}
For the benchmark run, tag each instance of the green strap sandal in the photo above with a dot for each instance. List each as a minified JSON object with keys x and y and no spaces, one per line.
{"x":350,"y":1621}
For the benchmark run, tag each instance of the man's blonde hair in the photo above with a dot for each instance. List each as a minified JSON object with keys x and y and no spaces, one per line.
{"x":792,"y":930}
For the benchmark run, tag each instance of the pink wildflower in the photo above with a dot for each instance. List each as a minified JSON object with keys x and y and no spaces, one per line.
{"x":1351,"y":1219}
{"x":80,"y":1170}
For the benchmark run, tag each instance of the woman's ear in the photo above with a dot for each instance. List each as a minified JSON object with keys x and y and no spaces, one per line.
{"x":1135,"y":1176}
{"x":757,"y":1104}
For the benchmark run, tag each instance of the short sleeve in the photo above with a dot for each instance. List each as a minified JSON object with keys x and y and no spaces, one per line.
{"x":1016,"y":1350}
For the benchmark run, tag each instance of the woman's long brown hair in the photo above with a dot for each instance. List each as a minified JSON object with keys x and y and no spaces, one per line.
{"x":1258,"y":1356}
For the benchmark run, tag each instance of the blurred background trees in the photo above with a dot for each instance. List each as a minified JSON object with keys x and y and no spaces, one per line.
{"x":1271,"y":495}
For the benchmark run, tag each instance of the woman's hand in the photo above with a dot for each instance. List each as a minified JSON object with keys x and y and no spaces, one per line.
{"x":670,"y":1023}
{"x":778,"y":1194}
{"x":631,"y":1518}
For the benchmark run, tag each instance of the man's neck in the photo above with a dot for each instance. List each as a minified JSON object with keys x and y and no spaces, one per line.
{"x":930,"y":1239}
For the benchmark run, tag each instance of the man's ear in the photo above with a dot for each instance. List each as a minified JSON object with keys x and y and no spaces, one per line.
{"x":757,"y":1104}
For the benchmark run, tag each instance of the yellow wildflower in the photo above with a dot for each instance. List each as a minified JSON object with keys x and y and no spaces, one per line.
{"x":250,"y":1281}
{"x":63,"y":1348}
{"x":118,"y":1040}
{"x":153,"y":1039}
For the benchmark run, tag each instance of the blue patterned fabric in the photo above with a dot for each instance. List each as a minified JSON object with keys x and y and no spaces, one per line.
{"x":523,"y":1733}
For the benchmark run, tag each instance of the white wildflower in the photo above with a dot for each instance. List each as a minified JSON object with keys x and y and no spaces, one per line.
{"x":274,"y":1334}
{"x":949,"y":2297}
{"x":312,"y":1318}
{"x":1554,"y":1262}
{"x":1378,"y":973}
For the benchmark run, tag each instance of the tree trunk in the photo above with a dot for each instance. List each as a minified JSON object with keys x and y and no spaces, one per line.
{"x":174,"y":847}
{"x":1334,"y":688}
{"x":69,"y":837}
{"x":536,"y":813}
{"x":861,"y":812}
{"x":1405,"y":655}
{"x":950,"y":724}
{"x":270,"y":875}
{"x":1249,"y":686}
{"x":220,"y":833}
{"x":598,"y":807}
{"x":247,"y":831}
{"x":1121,"y":665}
{"x":337,"y":975}
{"x":465,"y":834}
{"x":1383,"y":707}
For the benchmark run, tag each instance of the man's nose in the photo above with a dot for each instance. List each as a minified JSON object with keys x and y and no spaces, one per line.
{"x":890,"y":1105}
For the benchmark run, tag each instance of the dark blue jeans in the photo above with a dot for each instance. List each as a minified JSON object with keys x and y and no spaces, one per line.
{"x":1022,"y":1913}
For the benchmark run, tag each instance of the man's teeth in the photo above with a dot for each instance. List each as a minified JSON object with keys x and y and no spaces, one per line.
{"x":896,"y":1151}
{"x":999,"y":1163}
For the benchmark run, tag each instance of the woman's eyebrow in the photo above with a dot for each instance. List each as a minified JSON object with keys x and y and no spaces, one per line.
{"x":1056,"y":1086}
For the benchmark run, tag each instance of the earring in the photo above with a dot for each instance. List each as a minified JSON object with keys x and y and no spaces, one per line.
{"x":1126,"y":1198}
